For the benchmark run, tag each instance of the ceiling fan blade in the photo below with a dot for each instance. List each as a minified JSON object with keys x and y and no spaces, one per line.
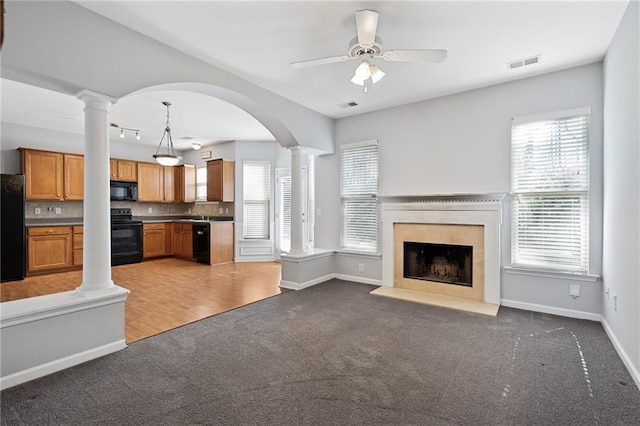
{"x":366,"y":25}
{"x":418,"y":55}
{"x":320,"y":61}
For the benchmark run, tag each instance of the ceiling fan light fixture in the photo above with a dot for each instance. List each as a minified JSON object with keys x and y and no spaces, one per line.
{"x":196,"y":146}
{"x":169,"y":158}
{"x":363,"y":71}
{"x":376,"y":74}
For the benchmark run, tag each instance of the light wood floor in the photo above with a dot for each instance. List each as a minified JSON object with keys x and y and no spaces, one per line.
{"x":167,"y":293}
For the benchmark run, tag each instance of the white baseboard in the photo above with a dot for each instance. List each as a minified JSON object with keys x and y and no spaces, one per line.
{"x":50,"y":367}
{"x":551,"y":310}
{"x":633,"y":371}
{"x":292,"y":285}
{"x":357,"y":279}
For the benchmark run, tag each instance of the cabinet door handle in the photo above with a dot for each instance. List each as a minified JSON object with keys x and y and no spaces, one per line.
{"x":49,"y":231}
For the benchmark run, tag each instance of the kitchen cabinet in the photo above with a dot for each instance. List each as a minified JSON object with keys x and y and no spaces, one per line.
{"x":169,"y":187}
{"x":77,"y":245}
{"x":182,"y":241}
{"x":154,"y":240}
{"x":220,"y":180}
{"x":44,"y":174}
{"x":185,"y":182}
{"x":150,"y":182}
{"x":123,"y":170}
{"x":49,"y":249}
{"x":221,"y":237}
{"x":73,"y":177}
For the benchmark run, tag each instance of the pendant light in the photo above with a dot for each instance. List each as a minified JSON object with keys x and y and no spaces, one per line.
{"x":169,"y":158}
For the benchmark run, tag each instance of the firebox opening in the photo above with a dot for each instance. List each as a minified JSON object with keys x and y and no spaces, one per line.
{"x":444,"y":263}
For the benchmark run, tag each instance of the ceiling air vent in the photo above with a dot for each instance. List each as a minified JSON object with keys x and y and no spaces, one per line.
{"x":523,"y":62}
{"x":348,"y":104}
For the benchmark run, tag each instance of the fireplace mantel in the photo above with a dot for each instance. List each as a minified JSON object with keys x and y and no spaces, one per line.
{"x":458,"y":209}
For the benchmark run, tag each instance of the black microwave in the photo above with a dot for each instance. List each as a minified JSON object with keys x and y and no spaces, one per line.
{"x":124,"y":191}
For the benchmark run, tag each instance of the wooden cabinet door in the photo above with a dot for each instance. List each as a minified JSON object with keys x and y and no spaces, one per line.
{"x":221,"y":242}
{"x":127,"y":170}
{"x":177,"y":239}
{"x":220,"y":180}
{"x":73,"y":177}
{"x":187,"y":241}
{"x":43,"y":171}
{"x":49,"y":249}
{"x":185,"y":181}
{"x":153,"y":240}
{"x":169,"y":185}
{"x":150,"y":182}
{"x":77,"y":245}
{"x":113,"y":169}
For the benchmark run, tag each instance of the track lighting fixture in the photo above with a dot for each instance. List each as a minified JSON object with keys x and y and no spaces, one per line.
{"x":122,"y":129}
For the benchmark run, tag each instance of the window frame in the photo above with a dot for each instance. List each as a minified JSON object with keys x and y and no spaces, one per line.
{"x":251,"y":202}
{"x":538,"y":199}
{"x":365,"y":198}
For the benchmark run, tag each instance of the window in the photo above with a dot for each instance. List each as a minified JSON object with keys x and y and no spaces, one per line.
{"x":550,"y":192}
{"x":359,"y":189}
{"x":284,"y":210}
{"x":201,"y":183}
{"x":256,"y":193}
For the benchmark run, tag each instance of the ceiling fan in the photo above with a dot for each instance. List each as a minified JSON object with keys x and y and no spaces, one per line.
{"x":367,"y":46}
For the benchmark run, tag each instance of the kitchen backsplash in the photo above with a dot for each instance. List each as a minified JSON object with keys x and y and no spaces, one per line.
{"x":47,"y":209}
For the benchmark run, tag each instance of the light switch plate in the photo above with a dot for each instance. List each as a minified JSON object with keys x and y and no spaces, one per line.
{"x":574,"y":290}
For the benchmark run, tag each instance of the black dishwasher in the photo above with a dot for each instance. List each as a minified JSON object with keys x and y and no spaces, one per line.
{"x":201,"y":243}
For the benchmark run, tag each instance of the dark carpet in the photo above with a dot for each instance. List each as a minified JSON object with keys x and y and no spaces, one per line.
{"x":333,"y":354}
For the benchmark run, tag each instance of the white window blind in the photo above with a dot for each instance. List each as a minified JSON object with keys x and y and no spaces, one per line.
{"x":256,"y":199}
{"x":550,"y":192}
{"x":201,"y":183}
{"x":359,"y":190}
{"x":285,"y":213}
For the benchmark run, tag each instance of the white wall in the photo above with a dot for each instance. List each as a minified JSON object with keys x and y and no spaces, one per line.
{"x":621,"y":261}
{"x":461,"y":144}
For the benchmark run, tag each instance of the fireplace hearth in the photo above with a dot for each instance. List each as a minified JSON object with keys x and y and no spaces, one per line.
{"x":443,"y":263}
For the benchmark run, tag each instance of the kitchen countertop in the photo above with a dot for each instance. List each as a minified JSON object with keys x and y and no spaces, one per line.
{"x":74,"y":221}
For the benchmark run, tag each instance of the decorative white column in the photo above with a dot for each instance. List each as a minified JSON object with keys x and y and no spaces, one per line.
{"x":96,"y":260}
{"x":297,"y":201}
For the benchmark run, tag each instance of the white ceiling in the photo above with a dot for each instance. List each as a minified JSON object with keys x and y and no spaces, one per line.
{"x":258,"y":40}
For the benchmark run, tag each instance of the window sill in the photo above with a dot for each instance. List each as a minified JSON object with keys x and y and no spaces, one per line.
{"x":574,"y":276}
{"x":357,"y":253}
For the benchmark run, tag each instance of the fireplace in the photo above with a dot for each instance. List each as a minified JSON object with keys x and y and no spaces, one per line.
{"x":457,"y":220}
{"x":443,"y":263}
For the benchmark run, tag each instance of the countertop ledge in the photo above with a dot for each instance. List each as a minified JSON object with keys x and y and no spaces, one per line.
{"x":75,"y":221}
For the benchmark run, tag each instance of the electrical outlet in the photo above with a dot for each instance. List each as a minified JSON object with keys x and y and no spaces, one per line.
{"x":220,"y":210}
{"x":226,"y":210}
{"x":607,"y":293}
{"x":318,"y":211}
{"x":360,"y":267}
{"x":574,"y":290}
{"x":615,"y":302}
{"x":58,"y":210}
{"x":150,"y":210}
{"x":189,"y":210}
{"x":38,"y":210}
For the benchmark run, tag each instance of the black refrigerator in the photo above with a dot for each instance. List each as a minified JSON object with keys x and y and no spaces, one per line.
{"x":12,"y":232}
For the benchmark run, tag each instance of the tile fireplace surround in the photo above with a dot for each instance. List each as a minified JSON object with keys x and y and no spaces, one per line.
{"x":473,"y":209}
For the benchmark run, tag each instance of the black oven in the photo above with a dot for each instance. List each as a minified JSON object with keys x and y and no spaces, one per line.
{"x":126,"y":238}
{"x":123,"y":191}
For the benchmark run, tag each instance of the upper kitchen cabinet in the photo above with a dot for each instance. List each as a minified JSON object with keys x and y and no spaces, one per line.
{"x":123,"y":170}
{"x":44,"y":174}
{"x":169,"y":188}
{"x":150,"y":182}
{"x":73,"y":177}
{"x":220,"y":180}
{"x":185,"y":182}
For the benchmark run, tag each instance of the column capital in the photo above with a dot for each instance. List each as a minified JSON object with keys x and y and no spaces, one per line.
{"x":88,"y":95}
{"x":297,"y":149}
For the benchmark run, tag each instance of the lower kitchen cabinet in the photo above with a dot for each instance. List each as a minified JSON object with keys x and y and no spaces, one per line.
{"x":49,"y":249}
{"x":183,"y":240}
{"x":221,"y":235}
{"x":77,"y":245}
{"x":154,"y":240}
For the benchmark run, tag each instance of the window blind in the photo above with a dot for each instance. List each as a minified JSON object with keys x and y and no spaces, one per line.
{"x":201,"y":183}
{"x":256,"y":199}
{"x":359,"y":189}
{"x":550,"y":193}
